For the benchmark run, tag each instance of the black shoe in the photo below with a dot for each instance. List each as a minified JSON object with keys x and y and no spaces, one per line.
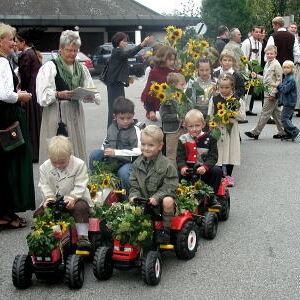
{"x":287,"y":137}
{"x":271,"y":121}
{"x":251,"y":135}
{"x":162,"y":236}
{"x":279,"y":136}
{"x":250,"y":113}
{"x":214,"y":203}
{"x":242,"y":121}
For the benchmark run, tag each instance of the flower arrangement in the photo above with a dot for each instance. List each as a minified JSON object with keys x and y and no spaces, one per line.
{"x":46,"y":230}
{"x":173,"y":34}
{"x":223,"y":117}
{"x":188,"y":196}
{"x":128,"y":224}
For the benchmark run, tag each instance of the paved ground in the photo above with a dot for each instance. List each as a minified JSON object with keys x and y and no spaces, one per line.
{"x":254,"y":256}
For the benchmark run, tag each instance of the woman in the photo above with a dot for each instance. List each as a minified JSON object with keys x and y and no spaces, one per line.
{"x":16,"y":177}
{"x":55,"y":83}
{"x":118,"y":69}
{"x":29,"y":65}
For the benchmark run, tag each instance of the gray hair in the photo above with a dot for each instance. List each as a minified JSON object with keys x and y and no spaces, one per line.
{"x":6,"y":29}
{"x":233,"y":32}
{"x":69,"y":37}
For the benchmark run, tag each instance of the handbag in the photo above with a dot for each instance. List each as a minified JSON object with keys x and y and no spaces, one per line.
{"x":103,"y":75}
{"x":11,"y":137}
{"x":62,"y":127}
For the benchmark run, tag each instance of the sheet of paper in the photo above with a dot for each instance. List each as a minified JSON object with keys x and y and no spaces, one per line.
{"x":81,"y":93}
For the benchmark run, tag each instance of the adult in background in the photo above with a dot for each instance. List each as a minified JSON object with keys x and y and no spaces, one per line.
{"x":16,"y":177}
{"x":222,"y":38}
{"x":29,"y":65}
{"x":234,"y":45}
{"x":251,"y":48}
{"x":55,"y":83}
{"x":118,"y":68}
{"x":293,"y":28}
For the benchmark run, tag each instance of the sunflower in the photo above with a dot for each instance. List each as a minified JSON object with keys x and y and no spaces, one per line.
{"x":161,"y":96}
{"x":220,"y":105}
{"x":180,"y":191}
{"x":232,"y":114}
{"x":173,"y":37}
{"x":106,"y":182}
{"x":155,"y":88}
{"x":196,"y":55}
{"x":204,"y":44}
{"x":178,"y":95}
{"x":221,"y":112}
{"x":164,"y":86}
{"x":197,"y":186}
{"x":190,"y":66}
{"x":230,"y":99}
{"x":170,"y":28}
{"x":225,"y":121}
{"x":213,"y":124}
{"x":244,"y":59}
{"x":177,"y":33}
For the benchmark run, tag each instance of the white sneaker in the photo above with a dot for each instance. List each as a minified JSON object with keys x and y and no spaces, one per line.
{"x":297,"y":138}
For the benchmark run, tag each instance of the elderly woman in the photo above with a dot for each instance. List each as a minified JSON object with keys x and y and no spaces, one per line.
{"x":16,"y":178}
{"x":55,"y":83}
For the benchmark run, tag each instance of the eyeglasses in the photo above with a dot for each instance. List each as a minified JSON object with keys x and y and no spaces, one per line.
{"x":70,"y":50}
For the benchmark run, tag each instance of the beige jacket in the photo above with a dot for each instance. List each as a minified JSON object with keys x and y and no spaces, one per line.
{"x":70,"y":182}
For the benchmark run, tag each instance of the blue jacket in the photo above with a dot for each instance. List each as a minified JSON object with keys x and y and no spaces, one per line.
{"x":287,"y":91}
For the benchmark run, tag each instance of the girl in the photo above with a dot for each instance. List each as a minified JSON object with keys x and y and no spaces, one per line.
{"x":164,"y":63}
{"x":213,"y":55}
{"x":228,"y":65}
{"x":229,"y":143}
{"x":204,"y":79}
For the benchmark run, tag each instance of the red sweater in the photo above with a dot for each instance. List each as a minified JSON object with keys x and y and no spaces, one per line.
{"x":159,"y":75}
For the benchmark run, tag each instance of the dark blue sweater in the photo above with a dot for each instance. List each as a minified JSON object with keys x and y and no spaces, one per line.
{"x":287,"y":91}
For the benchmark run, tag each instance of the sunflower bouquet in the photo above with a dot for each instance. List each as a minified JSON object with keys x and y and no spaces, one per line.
{"x":173,"y":35}
{"x":47,"y":232}
{"x":188,"y":196}
{"x":223,"y":117}
{"x":128,"y":224}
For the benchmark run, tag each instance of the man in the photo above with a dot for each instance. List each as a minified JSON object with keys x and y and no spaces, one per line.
{"x":293,"y":28}
{"x":252,"y":48}
{"x":222,"y":38}
{"x":234,"y":46}
{"x":286,"y":43}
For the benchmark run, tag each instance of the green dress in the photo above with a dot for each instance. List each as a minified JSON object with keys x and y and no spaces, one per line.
{"x":16,"y":176}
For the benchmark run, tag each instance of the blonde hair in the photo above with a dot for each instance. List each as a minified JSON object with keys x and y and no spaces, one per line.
{"x":59,"y":147}
{"x":69,"y":37}
{"x":230,"y":54}
{"x":174,"y":78}
{"x":271,"y":48}
{"x":227,"y":77}
{"x":194,"y":114}
{"x":278,"y":21}
{"x":154,"y":132}
{"x":6,"y":29}
{"x":289,"y":63}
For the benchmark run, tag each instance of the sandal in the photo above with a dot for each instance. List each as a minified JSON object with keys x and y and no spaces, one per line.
{"x":11,"y":225}
{"x":13,"y":216}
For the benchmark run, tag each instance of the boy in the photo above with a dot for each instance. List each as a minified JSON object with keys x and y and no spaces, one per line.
{"x":66,"y":175}
{"x":171,"y":122}
{"x":199,"y":147}
{"x":272,"y":78}
{"x":122,"y":143}
{"x":288,"y":98}
{"x":154,"y":177}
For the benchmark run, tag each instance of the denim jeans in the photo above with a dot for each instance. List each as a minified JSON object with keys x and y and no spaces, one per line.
{"x":123,"y":172}
{"x":286,"y":117}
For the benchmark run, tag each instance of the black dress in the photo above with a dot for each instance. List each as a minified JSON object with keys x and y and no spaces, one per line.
{"x":16,"y":176}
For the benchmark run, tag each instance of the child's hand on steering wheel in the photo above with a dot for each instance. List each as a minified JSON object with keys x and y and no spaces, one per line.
{"x":201,"y":170}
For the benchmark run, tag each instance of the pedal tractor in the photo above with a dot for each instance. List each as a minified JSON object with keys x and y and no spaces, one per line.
{"x":65,"y":260}
{"x":184,"y":241}
{"x":208,"y":217}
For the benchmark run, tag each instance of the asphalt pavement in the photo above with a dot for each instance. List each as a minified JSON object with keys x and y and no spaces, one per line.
{"x":255,"y":254}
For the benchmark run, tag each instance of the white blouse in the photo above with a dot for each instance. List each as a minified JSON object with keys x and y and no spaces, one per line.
{"x":7,"y":93}
{"x":46,"y":88}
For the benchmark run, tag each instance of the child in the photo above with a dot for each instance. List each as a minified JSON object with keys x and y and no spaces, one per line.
{"x":164,"y":64}
{"x":205,"y":81}
{"x":171,"y":122}
{"x":288,"y":98}
{"x":66,"y":175}
{"x":154,"y":177}
{"x":122,"y":143}
{"x":228,"y":143}
{"x":199,"y":147}
{"x":228,"y":65}
{"x":272,"y":78}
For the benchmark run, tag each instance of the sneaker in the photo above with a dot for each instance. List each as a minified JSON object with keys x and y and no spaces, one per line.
{"x":230,"y":181}
{"x":287,"y":137}
{"x":279,"y":136}
{"x":83,"y":243}
{"x":250,"y":113}
{"x":296,"y":139}
{"x":162,"y":236}
{"x":242,"y":121}
{"x":251,"y":135}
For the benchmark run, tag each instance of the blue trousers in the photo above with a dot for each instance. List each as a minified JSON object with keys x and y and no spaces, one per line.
{"x":123,"y":172}
{"x":286,"y":119}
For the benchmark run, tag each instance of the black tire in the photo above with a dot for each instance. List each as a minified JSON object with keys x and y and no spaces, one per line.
{"x":151,"y":268}
{"x":187,"y":241}
{"x":96,"y":240}
{"x":22,"y":271}
{"x":210,"y":225}
{"x":225,"y":209}
{"x":102,"y":263}
{"x":75,"y":271}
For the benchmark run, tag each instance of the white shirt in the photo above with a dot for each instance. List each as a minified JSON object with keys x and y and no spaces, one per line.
{"x":251,"y":43}
{"x":7,"y":93}
{"x":296,"y":49}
